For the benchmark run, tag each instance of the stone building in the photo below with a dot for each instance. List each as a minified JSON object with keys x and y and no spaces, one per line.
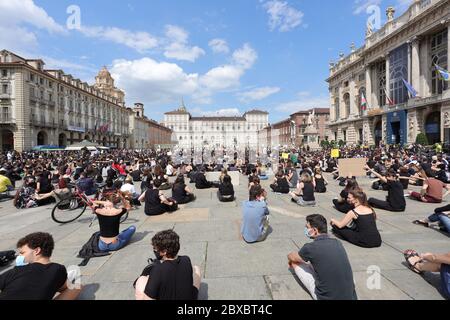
{"x":406,"y":50}
{"x":215,"y":132}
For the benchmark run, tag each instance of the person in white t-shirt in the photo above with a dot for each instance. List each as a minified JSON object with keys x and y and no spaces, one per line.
{"x":129,"y":188}
{"x":170,"y":170}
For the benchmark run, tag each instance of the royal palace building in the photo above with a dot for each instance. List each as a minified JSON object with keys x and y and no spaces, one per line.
{"x":237,"y":132}
{"x":391,"y":89}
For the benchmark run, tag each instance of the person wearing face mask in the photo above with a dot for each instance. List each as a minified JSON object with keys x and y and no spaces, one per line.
{"x":172,"y":277}
{"x":322,"y":265}
{"x":255,"y":216}
{"x":35,"y":277}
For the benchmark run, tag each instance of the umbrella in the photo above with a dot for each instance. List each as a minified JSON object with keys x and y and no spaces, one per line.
{"x":85,"y":144}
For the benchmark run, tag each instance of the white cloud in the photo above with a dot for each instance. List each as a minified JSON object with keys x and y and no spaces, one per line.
{"x":16,"y":16}
{"x":258,"y":94}
{"x":161,"y":82}
{"x":282,"y":16}
{"x":139,"y":41}
{"x":231,"y":112}
{"x":303,"y":103}
{"x":219,"y":46}
{"x":245,"y":57}
{"x":178,"y":48}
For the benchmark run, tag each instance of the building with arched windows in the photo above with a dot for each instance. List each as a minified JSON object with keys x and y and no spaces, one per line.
{"x":370,"y":101}
{"x":216,"y":132}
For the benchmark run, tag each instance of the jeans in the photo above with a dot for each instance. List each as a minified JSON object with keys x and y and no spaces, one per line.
{"x":442,"y":218}
{"x":122,"y":240}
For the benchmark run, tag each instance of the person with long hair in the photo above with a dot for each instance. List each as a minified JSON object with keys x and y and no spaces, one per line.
{"x":155,"y":201}
{"x":304,"y":195}
{"x":320,"y":181}
{"x":342,"y":204}
{"x":181,"y":192}
{"x":359,"y":225}
{"x":226,"y":190}
{"x":280,"y":184}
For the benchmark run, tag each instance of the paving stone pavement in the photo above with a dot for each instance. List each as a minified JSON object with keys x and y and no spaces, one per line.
{"x":232,"y":269}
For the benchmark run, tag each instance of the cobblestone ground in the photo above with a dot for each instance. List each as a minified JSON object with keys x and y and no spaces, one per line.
{"x":210,"y":235}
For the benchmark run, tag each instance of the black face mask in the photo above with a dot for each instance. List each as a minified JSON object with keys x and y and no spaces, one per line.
{"x":157,"y":255}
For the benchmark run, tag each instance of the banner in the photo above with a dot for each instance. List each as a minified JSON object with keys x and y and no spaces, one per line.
{"x":335,"y":153}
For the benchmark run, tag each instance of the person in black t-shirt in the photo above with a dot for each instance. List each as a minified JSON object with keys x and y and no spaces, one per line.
{"x":173,"y":278}
{"x":180,"y":192}
{"x":35,"y":277}
{"x":395,"y":200}
{"x":226,"y":190}
{"x":322,"y":265}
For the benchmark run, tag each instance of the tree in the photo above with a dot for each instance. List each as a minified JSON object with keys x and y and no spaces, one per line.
{"x":422,"y":139}
{"x":341,"y":143}
{"x":325,"y":144}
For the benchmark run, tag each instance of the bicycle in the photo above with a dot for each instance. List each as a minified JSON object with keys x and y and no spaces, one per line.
{"x":71,"y":208}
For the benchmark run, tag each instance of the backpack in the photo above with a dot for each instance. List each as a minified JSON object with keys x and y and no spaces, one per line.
{"x":6,"y":257}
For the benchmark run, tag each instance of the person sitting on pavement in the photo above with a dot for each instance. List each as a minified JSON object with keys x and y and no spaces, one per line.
{"x":280,"y":184}
{"x":226,"y":190}
{"x":155,"y":201}
{"x":304,"y":195}
{"x":35,"y":277}
{"x":109,"y":214}
{"x":129,"y":189}
{"x":320,"y":181}
{"x":5,"y":183}
{"x":359,"y":225}
{"x":86,"y":184}
{"x":395,"y":200}
{"x":431,"y":190}
{"x":181,"y":192}
{"x":170,"y":277}
{"x":161,"y":179}
{"x":201,"y":182}
{"x":431,"y":262}
{"x":255,"y":217}
{"x":291,"y":175}
{"x":322,"y":266}
{"x":342,"y":204}
{"x":441,"y":215}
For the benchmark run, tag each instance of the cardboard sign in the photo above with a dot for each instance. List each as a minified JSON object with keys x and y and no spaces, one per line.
{"x":285,"y":156}
{"x":352,"y":167}
{"x":335,"y":153}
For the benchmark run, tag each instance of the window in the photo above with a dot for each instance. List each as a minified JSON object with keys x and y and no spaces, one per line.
{"x":347,"y":105}
{"x":31,"y":77}
{"x":4,"y":73}
{"x":5,"y":89}
{"x":439,"y":54}
{"x":346,"y":84}
{"x":337,"y":109}
{"x":362,"y":77}
{"x":398,"y":70}
{"x":381,"y":78}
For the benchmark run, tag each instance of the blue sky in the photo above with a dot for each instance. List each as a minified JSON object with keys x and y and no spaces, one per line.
{"x":222,"y":57}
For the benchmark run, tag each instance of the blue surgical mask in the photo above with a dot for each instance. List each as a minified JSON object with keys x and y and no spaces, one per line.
{"x":20,"y":261}
{"x":307,"y":233}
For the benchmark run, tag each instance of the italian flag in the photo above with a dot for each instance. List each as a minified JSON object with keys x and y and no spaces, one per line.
{"x":363,"y":102}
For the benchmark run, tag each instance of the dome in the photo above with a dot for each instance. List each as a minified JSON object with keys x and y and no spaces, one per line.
{"x":104,"y":73}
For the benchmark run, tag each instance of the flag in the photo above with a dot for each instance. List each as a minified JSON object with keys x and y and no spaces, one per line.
{"x":363,"y":102}
{"x":444,"y":73}
{"x":411,"y":90}
{"x":388,"y":98}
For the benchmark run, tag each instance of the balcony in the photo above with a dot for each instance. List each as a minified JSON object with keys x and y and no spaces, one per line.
{"x":6,"y":96}
{"x":42,"y":123}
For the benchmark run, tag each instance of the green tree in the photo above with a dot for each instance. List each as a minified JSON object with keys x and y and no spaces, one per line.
{"x":341,"y":143}
{"x":422,"y":139}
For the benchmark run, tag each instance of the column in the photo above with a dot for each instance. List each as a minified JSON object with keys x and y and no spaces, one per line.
{"x":369,"y":86}
{"x":415,"y":66}
{"x":353,"y":99}
{"x":388,"y":77}
{"x":448,"y":45}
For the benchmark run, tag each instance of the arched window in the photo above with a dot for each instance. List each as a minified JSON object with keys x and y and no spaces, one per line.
{"x":347,"y":105}
{"x":337,"y":109}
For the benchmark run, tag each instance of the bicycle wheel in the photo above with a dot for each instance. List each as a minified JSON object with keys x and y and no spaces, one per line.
{"x":68,"y":210}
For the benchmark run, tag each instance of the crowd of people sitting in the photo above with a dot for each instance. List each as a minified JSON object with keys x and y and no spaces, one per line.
{"x":322,"y":266}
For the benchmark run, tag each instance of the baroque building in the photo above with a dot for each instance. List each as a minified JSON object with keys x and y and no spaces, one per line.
{"x":369,"y":93}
